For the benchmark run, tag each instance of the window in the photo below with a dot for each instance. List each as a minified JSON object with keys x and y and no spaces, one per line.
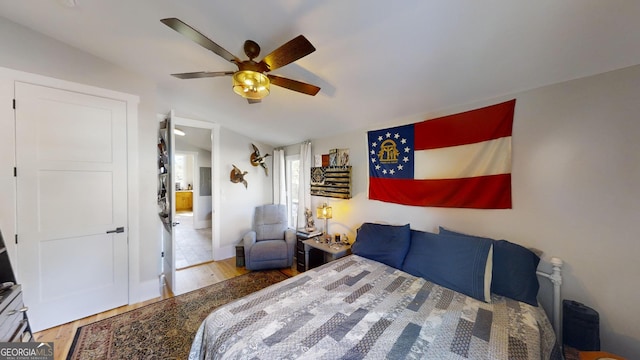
{"x":293,"y":184}
{"x":178,"y":170}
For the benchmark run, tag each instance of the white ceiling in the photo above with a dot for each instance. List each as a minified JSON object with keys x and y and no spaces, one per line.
{"x":376,"y":61}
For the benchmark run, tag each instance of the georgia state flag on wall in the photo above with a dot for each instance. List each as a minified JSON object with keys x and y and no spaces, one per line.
{"x":461,"y":160}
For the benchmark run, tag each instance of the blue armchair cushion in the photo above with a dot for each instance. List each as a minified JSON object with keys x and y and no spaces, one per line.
{"x":270,"y":222}
{"x":458,"y":263}
{"x":387,"y":244}
{"x":514,"y":270}
{"x":269,"y":250}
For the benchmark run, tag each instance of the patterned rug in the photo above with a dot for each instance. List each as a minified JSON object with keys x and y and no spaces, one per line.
{"x":165,"y":329}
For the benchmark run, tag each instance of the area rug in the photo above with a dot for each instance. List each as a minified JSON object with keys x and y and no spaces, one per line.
{"x":165,"y":329}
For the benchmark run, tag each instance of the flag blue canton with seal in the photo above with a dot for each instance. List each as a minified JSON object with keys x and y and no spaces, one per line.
{"x":391,"y":152}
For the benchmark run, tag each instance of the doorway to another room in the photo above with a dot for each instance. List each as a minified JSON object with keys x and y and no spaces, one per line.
{"x":193,"y":246}
{"x":192,"y":179}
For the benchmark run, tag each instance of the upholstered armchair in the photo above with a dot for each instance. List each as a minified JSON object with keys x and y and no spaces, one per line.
{"x":271,"y":243}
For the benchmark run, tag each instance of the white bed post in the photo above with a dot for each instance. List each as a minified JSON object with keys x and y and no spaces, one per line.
{"x":556,"y":279}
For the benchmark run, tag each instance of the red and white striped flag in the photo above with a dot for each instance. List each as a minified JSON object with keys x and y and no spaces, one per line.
{"x":461,"y":160}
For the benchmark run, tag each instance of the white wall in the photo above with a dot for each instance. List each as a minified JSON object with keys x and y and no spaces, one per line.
{"x":28,"y":51}
{"x":575,"y":179}
{"x":237,"y":204}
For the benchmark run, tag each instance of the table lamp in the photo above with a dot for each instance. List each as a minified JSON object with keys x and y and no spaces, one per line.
{"x":324,"y":212}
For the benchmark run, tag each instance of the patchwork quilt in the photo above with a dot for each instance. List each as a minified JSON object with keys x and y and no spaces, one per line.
{"x":356,"y":308}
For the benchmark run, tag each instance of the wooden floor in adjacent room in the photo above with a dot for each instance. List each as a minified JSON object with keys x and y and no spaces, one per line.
{"x":187,"y":279}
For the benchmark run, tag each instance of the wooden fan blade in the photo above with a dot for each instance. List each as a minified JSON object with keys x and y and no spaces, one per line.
{"x":195,"y":35}
{"x":202,"y":74}
{"x":293,"y":50}
{"x":294,"y":85}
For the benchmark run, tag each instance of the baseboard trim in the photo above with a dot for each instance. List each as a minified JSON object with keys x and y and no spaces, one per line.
{"x":146,"y":291}
{"x":224,"y":252}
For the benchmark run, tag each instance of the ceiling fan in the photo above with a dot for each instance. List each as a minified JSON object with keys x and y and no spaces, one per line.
{"x":251,"y":81}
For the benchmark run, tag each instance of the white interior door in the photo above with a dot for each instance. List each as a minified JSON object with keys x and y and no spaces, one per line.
{"x":71,"y":203}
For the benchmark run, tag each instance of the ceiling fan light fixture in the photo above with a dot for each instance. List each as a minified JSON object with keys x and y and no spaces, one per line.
{"x":251,"y":84}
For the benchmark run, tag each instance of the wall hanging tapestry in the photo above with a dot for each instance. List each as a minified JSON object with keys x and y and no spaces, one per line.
{"x":460,"y":161}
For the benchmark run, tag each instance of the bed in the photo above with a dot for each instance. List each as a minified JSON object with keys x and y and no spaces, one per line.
{"x":375,"y":305}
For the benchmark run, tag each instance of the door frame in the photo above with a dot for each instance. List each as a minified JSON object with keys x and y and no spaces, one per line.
{"x":8,"y":218}
{"x":215,"y":172}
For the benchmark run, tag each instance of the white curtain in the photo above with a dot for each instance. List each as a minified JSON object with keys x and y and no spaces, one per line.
{"x":304,"y":195}
{"x":279,"y":179}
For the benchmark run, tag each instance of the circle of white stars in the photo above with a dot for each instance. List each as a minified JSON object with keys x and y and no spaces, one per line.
{"x":405,"y":158}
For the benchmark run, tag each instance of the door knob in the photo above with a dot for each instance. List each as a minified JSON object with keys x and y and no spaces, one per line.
{"x":117,"y":230}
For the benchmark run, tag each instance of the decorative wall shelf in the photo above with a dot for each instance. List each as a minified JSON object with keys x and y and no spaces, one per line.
{"x":164,"y":171}
{"x":332,"y":182}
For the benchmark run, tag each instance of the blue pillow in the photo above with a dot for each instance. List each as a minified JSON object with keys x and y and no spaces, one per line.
{"x":455,"y":262}
{"x":387,"y":244}
{"x":514,"y":270}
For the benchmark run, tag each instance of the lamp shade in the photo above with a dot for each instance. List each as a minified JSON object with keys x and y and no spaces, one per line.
{"x":251,"y":84}
{"x":324,"y":212}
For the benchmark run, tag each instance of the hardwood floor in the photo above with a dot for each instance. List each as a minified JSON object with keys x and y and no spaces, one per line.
{"x":187,"y":279}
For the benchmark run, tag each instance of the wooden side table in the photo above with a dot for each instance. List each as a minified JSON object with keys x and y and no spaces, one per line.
{"x":309,"y":259}
{"x":334,"y":252}
{"x":300,"y":261}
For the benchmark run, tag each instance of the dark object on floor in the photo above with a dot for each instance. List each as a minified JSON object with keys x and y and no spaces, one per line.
{"x":580,"y":326}
{"x":165,"y":329}
{"x":239,"y":256}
